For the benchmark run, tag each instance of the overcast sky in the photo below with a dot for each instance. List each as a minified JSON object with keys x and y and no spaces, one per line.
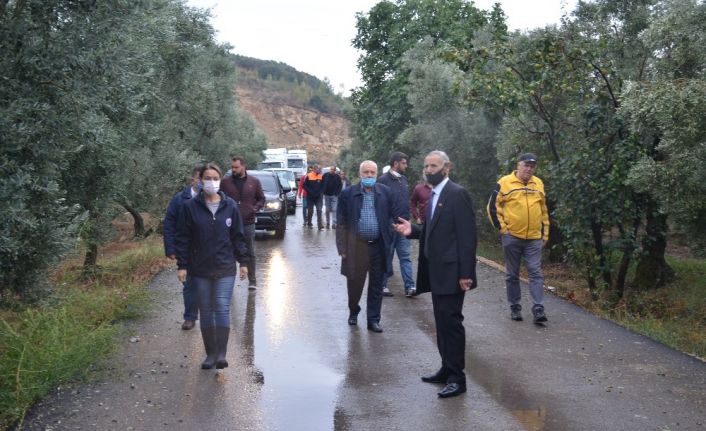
{"x":314,"y":36}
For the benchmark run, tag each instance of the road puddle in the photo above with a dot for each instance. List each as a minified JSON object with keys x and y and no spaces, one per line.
{"x":507,"y":391}
{"x":531,"y":420}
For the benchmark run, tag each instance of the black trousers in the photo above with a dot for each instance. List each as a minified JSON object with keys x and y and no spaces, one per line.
{"x":450,"y":335}
{"x":369,"y":260}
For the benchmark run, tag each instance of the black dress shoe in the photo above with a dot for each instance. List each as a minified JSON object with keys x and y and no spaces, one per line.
{"x":374,"y":326}
{"x":435,"y":378}
{"x":452,"y":390}
{"x":353,"y":317}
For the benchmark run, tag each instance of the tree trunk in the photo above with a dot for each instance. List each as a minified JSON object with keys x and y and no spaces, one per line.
{"x":628,"y":250}
{"x":138,"y":221}
{"x":91,"y":259}
{"x":557,"y":251}
{"x":653,"y":271}
{"x":555,"y":245}
{"x":598,"y":245}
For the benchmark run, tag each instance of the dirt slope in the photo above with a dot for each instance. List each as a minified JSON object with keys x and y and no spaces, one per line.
{"x":294,"y":127}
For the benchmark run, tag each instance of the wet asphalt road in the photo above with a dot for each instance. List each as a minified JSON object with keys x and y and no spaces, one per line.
{"x":295,"y":364}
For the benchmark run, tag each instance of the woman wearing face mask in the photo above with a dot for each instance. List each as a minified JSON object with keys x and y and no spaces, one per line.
{"x":210,"y":239}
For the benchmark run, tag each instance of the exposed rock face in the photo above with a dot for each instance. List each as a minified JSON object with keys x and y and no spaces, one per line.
{"x":323,"y":136}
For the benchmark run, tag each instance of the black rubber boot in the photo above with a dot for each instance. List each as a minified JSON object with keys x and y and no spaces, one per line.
{"x":209,"y":342}
{"x":222,"y":334}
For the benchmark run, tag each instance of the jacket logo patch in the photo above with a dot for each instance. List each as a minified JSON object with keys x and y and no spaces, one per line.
{"x":229,"y":222}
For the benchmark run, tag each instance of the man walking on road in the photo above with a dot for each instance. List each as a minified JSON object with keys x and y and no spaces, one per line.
{"x":518,"y":208}
{"x":191,"y":309}
{"x":332,"y":188}
{"x":363,"y":238}
{"x":314,"y":186}
{"x":247,"y":192}
{"x":397,"y":182}
{"x":447,"y":267}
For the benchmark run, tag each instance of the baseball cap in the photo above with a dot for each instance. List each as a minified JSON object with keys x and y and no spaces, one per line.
{"x":527,"y":157}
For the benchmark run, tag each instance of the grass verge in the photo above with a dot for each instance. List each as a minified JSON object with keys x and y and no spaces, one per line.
{"x":69,"y":335}
{"x":674,"y":315}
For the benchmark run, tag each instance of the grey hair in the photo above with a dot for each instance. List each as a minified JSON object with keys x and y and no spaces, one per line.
{"x":444,"y":157}
{"x":365,"y":162}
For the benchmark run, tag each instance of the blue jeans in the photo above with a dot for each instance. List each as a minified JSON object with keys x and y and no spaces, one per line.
{"x":304,"y":208}
{"x":191,"y":307}
{"x":214,"y":296}
{"x":403,"y":247}
{"x":331,"y":202}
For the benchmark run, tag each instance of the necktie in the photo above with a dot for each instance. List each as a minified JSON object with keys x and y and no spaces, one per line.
{"x":427,"y":223}
{"x":430,"y":207}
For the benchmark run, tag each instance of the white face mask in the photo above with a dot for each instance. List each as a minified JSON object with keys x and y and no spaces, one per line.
{"x":211,"y":187}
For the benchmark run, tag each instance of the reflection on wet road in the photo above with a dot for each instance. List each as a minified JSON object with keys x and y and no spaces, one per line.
{"x":300,"y":389}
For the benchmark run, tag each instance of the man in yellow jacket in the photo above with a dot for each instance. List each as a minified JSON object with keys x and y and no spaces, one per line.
{"x":518,"y":208}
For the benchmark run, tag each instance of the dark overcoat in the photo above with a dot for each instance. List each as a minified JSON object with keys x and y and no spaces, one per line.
{"x":449,"y":239}
{"x":350,"y":202}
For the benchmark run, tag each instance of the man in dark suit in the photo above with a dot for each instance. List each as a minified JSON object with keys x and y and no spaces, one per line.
{"x":447,"y":267}
{"x":363,"y":238}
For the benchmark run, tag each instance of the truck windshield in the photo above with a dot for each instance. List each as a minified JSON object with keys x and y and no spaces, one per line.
{"x":295,"y":163}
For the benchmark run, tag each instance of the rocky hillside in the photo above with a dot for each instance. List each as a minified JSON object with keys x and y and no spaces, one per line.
{"x":283,"y":112}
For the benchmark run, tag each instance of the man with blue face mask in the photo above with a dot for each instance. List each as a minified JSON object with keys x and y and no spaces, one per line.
{"x":363,"y":236}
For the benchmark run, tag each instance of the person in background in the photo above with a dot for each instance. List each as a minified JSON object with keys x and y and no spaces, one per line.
{"x":314,"y":186}
{"x":302,"y":194}
{"x":209,"y":241}
{"x":395,"y":179}
{"x":332,"y":188}
{"x":191,"y":309}
{"x":447,"y":267}
{"x":518,"y":209}
{"x":344,"y":180}
{"x":247,"y":192}
{"x":363,"y":238}
{"x":418,"y":201}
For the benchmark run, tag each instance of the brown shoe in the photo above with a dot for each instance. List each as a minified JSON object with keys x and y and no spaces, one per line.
{"x":188,"y":324}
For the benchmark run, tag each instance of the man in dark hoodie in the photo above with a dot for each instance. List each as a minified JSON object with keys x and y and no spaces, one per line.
{"x":247,"y":192}
{"x":332,"y":188}
{"x":191,"y":309}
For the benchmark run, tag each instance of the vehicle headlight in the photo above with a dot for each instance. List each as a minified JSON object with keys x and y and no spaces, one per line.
{"x":273,"y":205}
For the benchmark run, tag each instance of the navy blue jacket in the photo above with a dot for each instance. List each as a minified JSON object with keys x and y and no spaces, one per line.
{"x":350,"y":202}
{"x":400,"y":191}
{"x":332,"y":184}
{"x":170,"y":220}
{"x":208,"y":245}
